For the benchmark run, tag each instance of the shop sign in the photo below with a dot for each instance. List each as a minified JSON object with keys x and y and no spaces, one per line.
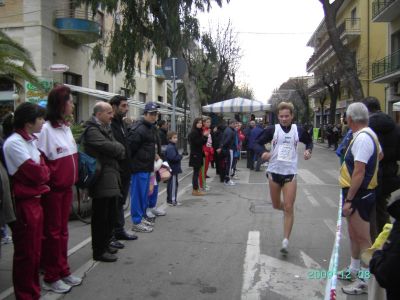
{"x":35,"y":95}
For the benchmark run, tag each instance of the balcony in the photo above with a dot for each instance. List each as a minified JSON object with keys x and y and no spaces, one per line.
{"x":78,"y":25}
{"x":387,"y":69}
{"x":159,"y":73}
{"x":385,"y":10}
{"x":349,"y":30}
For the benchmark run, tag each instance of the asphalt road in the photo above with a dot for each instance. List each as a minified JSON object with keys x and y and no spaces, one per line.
{"x":224,"y":245}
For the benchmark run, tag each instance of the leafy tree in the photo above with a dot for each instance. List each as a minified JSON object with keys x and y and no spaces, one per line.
{"x":163,"y":26}
{"x":344,"y":55}
{"x":243,"y":91}
{"x":15,"y":61}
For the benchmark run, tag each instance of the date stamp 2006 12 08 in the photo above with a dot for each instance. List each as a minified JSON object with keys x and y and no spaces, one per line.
{"x":324,"y":274}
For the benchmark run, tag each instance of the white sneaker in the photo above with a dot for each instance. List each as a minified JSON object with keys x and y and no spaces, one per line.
{"x":59,"y":287}
{"x":141,"y":227}
{"x":158,"y":212}
{"x":285,"y":245}
{"x":206,"y":188}
{"x":235,"y":177}
{"x":230,"y":183}
{"x":72,"y":280}
{"x":358,"y":287}
{"x":149,"y":213}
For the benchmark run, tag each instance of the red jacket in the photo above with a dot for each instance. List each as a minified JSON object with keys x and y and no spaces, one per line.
{"x":60,"y":151}
{"x":29,"y":172}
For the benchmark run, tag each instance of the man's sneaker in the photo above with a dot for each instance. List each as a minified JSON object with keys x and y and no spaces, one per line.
{"x":285,"y":245}
{"x":157,"y":212}
{"x":59,"y":287}
{"x":72,"y":280}
{"x":177,"y":203}
{"x":149,"y":213}
{"x":229,"y":183}
{"x":358,"y":287}
{"x":347,"y":274}
{"x":141,"y":227}
{"x":148,"y":221}
{"x":170,"y":204}
{"x":235,"y":177}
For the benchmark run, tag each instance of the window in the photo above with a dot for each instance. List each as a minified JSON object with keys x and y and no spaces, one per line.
{"x":395,"y":41}
{"x":100,"y":19}
{"x":160,"y":99}
{"x":101,"y":86}
{"x":72,"y":78}
{"x":2,"y":2}
{"x":142,"y":97}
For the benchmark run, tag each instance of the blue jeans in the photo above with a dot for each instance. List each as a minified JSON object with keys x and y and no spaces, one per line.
{"x":139,"y":194}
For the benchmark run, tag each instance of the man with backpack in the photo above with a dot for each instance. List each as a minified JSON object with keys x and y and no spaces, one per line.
{"x":120,"y":133}
{"x":99,"y":142}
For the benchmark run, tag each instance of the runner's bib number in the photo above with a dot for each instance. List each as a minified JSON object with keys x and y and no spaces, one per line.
{"x":285,"y":152}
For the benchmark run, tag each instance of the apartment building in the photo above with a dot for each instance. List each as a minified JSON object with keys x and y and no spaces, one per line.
{"x":60,"y":37}
{"x":386,"y":69}
{"x":365,"y":38}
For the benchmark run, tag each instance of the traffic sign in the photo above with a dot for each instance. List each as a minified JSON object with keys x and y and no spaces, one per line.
{"x":180,"y":68}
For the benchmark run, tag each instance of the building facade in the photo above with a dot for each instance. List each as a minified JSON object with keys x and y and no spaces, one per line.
{"x":366,"y":39}
{"x":386,"y":69}
{"x":60,"y":36}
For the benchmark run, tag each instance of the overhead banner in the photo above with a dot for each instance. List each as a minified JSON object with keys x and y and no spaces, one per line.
{"x":35,"y":95}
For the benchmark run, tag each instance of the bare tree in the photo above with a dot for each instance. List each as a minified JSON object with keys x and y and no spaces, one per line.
{"x":344,"y":55}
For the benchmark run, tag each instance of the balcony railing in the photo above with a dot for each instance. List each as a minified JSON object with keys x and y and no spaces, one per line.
{"x":347,"y":28}
{"x":78,"y":25}
{"x":386,"y":66}
{"x":380,"y":6}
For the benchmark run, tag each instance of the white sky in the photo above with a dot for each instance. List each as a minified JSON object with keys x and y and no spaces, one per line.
{"x":269,"y":59}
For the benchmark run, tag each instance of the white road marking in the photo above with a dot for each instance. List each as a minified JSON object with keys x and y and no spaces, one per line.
{"x":334,"y":173}
{"x":331,"y":225}
{"x":308,"y":177}
{"x":265,"y":273}
{"x":310,"y":198}
{"x":330,"y":202}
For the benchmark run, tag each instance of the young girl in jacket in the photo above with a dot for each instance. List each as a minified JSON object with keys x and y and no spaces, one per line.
{"x":29,"y":175}
{"x":208,"y":151}
{"x":60,"y":152}
{"x":197,"y":138}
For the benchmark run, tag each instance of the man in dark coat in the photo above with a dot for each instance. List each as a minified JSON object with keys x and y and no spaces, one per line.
{"x":388,"y":181}
{"x":255,"y":133}
{"x":142,"y":141}
{"x":99,"y":142}
{"x":227,"y":146}
{"x":249,"y":151}
{"x":120,"y":133}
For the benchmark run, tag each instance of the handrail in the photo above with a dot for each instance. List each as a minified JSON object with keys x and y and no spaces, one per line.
{"x":76,"y":14}
{"x":380,"y":6}
{"x":386,"y":65}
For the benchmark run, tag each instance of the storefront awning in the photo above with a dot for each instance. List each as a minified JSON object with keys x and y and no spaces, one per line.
{"x":165,"y":107}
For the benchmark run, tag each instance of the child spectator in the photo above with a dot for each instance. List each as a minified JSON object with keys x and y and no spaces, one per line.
{"x":174,"y":161}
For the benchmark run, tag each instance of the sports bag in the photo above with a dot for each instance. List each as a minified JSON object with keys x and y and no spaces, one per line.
{"x":88,"y":166}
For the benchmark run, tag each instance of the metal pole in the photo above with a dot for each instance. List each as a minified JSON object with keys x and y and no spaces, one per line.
{"x":173,"y":123}
{"x":185,"y":152}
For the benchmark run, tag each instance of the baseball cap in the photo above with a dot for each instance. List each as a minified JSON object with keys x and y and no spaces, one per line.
{"x":151,"y":107}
